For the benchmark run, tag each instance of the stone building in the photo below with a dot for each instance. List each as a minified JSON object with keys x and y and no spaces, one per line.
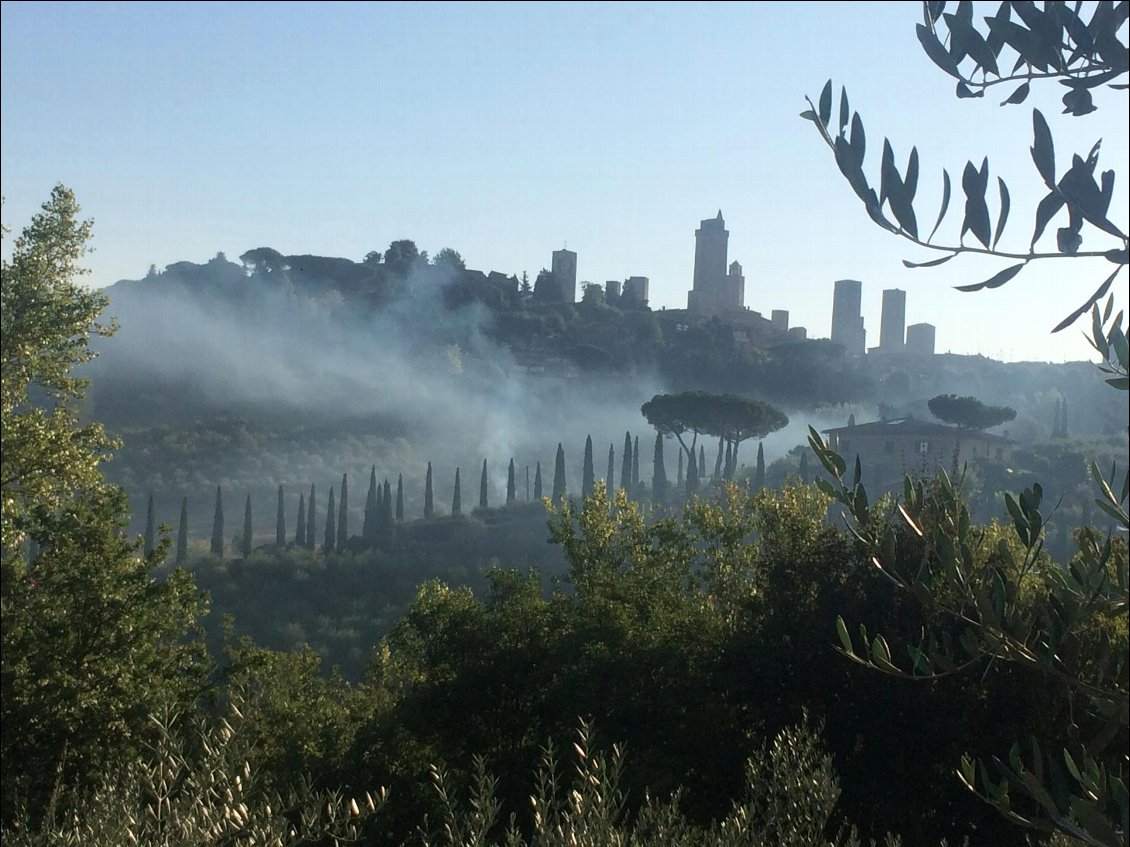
{"x":565,"y":271}
{"x":717,"y":291}
{"x":847,"y":319}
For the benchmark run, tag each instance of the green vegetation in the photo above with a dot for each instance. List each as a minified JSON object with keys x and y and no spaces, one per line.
{"x":969,"y":412}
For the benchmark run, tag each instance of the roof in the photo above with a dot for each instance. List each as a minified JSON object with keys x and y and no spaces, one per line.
{"x":911,"y":426}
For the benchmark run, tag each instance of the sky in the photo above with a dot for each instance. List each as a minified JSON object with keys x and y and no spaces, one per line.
{"x":509,"y":130}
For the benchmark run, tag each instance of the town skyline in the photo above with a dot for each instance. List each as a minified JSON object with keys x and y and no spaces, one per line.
{"x":506,"y":132}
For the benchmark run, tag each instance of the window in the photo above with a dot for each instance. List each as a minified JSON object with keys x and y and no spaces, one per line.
{"x":923,"y":448}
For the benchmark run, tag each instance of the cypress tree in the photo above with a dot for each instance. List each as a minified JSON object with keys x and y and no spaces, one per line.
{"x":759,"y":473}
{"x":559,"y":489}
{"x":700,"y":468}
{"x":587,"y":475}
{"x":429,"y":503}
{"x":483,"y":487}
{"x":659,"y":472}
{"x":343,"y":514}
{"x":457,"y":497}
{"x":218,"y":525}
{"x":537,"y":482}
{"x":300,"y":532}
{"x":804,"y":466}
{"x":692,"y":473}
{"x":150,"y":528}
{"x":330,"y":543}
{"x":636,"y":463}
{"x":369,"y":523}
{"x":851,"y":419}
{"x":626,"y":465}
{"x":718,"y":460}
{"x":379,"y":514}
{"x":280,"y":522}
{"x":310,"y":520}
{"x":247,"y":528}
{"x":400,"y":498}
{"x":679,"y":478}
{"x":388,"y":524}
{"x":182,"y":534}
{"x":611,"y":465}
{"x":511,"y":485}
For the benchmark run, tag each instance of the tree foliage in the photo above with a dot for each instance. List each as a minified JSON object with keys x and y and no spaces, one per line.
{"x":1052,"y":42}
{"x":969,"y":412}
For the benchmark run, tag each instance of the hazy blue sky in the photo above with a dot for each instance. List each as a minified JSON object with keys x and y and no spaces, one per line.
{"x":506,"y":130}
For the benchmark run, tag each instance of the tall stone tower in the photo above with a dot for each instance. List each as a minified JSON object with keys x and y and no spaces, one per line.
{"x":847,"y":322}
{"x":892,"y":327}
{"x":716,"y":291}
{"x":565,"y":271}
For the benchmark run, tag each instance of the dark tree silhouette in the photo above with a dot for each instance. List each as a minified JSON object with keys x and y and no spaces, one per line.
{"x":150,"y":528}
{"x":369,"y":522}
{"x":511,"y":485}
{"x":692,"y":473}
{"x":559,"y":486}
{"x":636,"y":463}
{"x":626,"y":465}
{"x":310,"y":537}
{"x":483,"y":487}
{"x":537,"y":482}
{"x":759,"y":473}
{"x":722,"y":444}
{"x":969,"y":412}
{"x":343,"y":514}
{"x":457,"y":497}
{"x":400,"y":498}
{"x":429,"y":502}
{"x":280,"y":521}
{"x":300,"y":532}
{"x":330,"y":542}
{"x":218,"y":526}
{"x":610,"y":482}
{"x":182,"y":534}
{"x":658,"y":472}
{"x":587,"y":474}
{"x":247,"y":532}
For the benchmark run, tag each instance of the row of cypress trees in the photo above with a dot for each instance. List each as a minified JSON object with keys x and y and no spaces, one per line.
{"x":382,"y":513}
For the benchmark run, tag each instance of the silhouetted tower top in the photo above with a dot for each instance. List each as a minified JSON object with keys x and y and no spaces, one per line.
{"x":847,"y":322}
{"x":711,"y":245}
{"x":892,"y":325}
{"x":565,"y":271}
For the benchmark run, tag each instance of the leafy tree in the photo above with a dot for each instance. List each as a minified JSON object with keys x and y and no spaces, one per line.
{"x":47,"y":319}
{"x":1050,"y":43}
{"x":248,"y":534}
{"x":310,"y":536}
{"x":343,"y":514}
{"x":969,"y":412}
{"x":547,"y":288}
{"x":150,"y":528}
{"x":300,"y":530}
{"x":400,"y":498}
{"x":401,"y":257}
{"x":659,"y":472}
{"x":559,"y":485}
{"x":329,"y":542}
{"x":587,"y":473}
{"x":537,"y":482}
{"x":727,"y":416}
{"x":511,"y":485}
{"x":483,"y":487}
{"x":280,"y":521}
{"x":182,"y":534}
{"x":217,"y":549}
{"x":91,"y":642}
{"x":456,"y":497}
{"x":449,"y":258}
